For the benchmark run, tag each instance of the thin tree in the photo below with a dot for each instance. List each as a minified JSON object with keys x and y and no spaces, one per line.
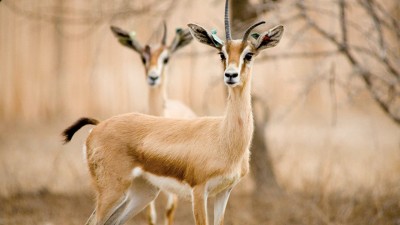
{"x":261,"y":164}
{"x":374,"y":56}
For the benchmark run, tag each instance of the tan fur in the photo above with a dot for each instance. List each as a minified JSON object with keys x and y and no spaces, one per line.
{"x":157,"y":100}
{"x":160,"y":146}
{"x":234,"y":51}
{"x":200,"y":205}
{"x":155,"y":55}
{"x":190,"y":151}
{"x":170,"y":213}
{"x":209,"y":154}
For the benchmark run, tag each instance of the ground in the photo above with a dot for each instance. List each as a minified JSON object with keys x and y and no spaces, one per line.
{"x":243,"y":209}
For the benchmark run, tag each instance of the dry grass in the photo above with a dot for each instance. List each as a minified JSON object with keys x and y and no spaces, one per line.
{"x":33,"y":159}
{"x":272,"y":208}
{"x":361,"y":152}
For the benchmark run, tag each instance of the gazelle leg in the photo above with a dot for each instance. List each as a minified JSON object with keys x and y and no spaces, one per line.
{"x":141,"y":193}
{"x":219,"y":206}
{"x":199,"y":203}
{"x":91,"y":220}
{"x":152,"y":213}
{"x":109,"y":205}
{"x":171,"y":208}
{"x":117,"y":212}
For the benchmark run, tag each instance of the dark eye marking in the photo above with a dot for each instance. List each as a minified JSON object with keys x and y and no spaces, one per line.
{"x":143,"y":60}
{"x":222,"y":55}
{"x":248,"y":56}
{"x":166,"y":60}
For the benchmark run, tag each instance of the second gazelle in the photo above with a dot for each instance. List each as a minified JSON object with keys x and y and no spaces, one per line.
{"x":155,"y":60}
{"x":132,"y":156}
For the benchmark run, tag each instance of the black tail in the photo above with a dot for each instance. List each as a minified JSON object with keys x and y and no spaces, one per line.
{"x":70,"y":131}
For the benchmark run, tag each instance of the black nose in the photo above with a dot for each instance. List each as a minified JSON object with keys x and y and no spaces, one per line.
{"x":231,"y":75}
{"x":153,"y":78}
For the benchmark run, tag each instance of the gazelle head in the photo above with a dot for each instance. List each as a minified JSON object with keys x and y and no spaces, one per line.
{"x":237,"y":55}
{"x":154,"y":59}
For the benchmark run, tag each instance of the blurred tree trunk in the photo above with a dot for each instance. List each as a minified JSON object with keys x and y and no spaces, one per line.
{"x":261,"y":163}
{"x":244,"y":13}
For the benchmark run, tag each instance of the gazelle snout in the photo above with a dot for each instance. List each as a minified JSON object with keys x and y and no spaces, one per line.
{"x":231,"y":76}
{"x":153,"y":77}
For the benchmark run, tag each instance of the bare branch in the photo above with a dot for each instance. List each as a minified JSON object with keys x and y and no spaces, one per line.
{"x":394,"y":23}
{"x":70,"y":17}
{"x":369,"y":6}
{"x":332,"y":91}
{"x":343,"y":22}
{"x":322,"y":32}
{"x":288,"y":55}
{"x":345,"y":48}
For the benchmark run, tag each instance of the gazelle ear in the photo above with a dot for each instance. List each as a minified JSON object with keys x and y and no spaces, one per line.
{"x":204,"y":37}
{"x":127,"y":39}
{"x":182,"y":38}
{"x":267,"y":39}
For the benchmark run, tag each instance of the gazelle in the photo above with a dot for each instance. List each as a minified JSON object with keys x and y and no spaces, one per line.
{"x":132,"y":156}
{"x":155,"y":60}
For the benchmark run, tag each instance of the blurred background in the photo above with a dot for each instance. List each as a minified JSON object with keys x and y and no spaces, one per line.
{"x":326,"y":148}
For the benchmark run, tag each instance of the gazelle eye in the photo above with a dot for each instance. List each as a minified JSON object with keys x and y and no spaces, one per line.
{"x":248,"y":56}
{"x":143,"y":60}
{"x":166,"y":60}
{"x":222,"y":55}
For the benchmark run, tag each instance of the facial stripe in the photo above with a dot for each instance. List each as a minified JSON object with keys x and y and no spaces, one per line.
{"x":155,"y":56}
{"x":223,"y":50}
{"x":157,"y":62}
{"x":234,"y":50}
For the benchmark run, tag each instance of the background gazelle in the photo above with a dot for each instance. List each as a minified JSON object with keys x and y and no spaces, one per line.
{"x":155,"y":60}
{"x":132,"y":156}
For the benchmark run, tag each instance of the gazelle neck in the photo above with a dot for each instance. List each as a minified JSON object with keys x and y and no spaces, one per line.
{"x":238,"y":120}
{"x":158,"y":97}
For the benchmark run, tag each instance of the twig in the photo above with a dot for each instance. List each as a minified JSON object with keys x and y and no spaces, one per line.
{"x":288,"y":55}
{"x":332,"y":91}
{"x":369,"y":6}
{"x":73,"y":20}
{"x":343,"y":23}
{"x":395,"y":23}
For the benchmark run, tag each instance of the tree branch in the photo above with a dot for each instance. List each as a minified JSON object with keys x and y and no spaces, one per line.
{"x":344,"y":48}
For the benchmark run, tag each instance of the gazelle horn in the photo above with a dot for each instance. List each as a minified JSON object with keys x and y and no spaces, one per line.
{"x":164,"y":38}
{"x":246,"y":35}
{"x":227,"y":23}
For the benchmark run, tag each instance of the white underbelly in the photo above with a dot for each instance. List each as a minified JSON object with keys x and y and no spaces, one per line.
{"x":220,"y":183}
{"x":168,"y":184}
{"x":214,"y":185}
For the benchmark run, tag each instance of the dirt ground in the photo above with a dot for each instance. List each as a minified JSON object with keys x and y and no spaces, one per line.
{"x":243,"y":209}
{"x":50,"y":209}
